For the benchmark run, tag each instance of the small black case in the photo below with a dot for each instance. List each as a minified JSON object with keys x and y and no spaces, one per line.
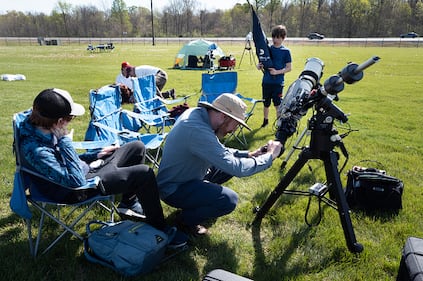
{"x":411,"y":265}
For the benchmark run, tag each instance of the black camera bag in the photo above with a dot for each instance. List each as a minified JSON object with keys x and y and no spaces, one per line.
{"x":372,"y":189}
{"x":411,"y":264}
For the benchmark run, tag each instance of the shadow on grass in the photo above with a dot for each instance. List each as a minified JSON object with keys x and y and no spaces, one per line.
{"x":280,"y":267}
{"x":202,"y":256}
{"x":17,"y":262}
{"x":285,"y":265}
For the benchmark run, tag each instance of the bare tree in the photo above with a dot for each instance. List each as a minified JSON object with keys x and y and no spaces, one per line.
{"x":119,"y":13}
{"x":90,"y":21}
{"x":174,"y":14}
{"x":334,"y":18}
{"x":188,"y":12}
{"x":64,"y":9}
{"x":271,"y":8}
{"x":139,"y":17}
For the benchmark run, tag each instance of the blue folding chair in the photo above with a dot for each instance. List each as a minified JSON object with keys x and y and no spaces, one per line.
{"x":149,"y":105}
{"x":217,"y":83}
{"x":26,"y":189}
{"x":109,"y":122}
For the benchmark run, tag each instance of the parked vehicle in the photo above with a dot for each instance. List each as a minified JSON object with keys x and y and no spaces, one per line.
{"x":315,"y":35}
{"x":409,"y":35}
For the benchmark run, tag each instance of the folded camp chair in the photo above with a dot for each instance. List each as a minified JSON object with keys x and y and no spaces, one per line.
{"x":149,"y":105}
{"x":109,"y":122}
{"x":26,"y":188}
{"x":217,"y":83}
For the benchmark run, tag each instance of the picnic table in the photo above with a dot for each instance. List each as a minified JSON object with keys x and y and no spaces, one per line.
{"x":101,"y":47}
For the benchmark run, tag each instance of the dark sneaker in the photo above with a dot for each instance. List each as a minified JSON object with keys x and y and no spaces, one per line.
{"x":172,"y":93}
{"x":179,"y":240}
{"x":265,"y":123}
{"x":133,"y":210}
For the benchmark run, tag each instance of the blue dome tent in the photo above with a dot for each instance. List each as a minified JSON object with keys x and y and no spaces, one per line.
{"x":191,"y":52}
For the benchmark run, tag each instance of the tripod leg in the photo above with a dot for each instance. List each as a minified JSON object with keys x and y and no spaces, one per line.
{"x":239,"y":65}
{"x":332,"y":175}
{"x":283,"y":184}
{"x":291,"y":151}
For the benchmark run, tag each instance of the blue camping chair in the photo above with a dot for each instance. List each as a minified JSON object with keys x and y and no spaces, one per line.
{"x":109,"y":122}
{"x":217,"y":83}
{"x":149,"y":105}
{"x":26,"y":189}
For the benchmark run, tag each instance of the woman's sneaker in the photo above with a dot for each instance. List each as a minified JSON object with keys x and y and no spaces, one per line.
{"x":131,"y":211}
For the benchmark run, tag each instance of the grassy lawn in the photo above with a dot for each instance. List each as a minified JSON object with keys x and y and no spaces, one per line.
{"x":385,"y":107}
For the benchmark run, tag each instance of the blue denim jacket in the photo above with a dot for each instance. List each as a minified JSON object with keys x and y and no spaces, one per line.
{"x":56,"y":159}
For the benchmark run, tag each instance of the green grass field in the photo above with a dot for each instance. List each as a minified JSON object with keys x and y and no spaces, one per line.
{"x":385,"y":107}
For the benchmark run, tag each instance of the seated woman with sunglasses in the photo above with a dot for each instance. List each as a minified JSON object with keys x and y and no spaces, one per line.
{"x":47,"y":149}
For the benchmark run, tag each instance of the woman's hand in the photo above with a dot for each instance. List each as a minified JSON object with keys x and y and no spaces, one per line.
{"x":59,"y":131}
{"x":107,"y":151}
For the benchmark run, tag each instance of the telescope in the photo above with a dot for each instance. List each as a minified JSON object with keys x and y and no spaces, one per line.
{"x":302,"y":94}
{"x":306,"y":92}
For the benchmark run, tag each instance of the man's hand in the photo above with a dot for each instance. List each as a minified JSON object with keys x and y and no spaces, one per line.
{"x":274,"y":147}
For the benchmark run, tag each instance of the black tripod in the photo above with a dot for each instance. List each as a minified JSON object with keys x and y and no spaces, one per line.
{"x":248,"y":48}
{"x":324,"y":138}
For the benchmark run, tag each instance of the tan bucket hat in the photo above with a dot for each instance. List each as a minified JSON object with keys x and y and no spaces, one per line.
{"x":230,"y":105}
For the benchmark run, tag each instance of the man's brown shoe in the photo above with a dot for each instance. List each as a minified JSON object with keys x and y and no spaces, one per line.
{"x":199,"y":230}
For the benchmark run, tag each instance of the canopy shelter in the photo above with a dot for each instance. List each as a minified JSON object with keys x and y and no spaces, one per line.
{"x":197,"y":54}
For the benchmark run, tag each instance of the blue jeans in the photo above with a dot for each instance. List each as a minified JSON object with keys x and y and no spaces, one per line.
{"x":202,"y":200}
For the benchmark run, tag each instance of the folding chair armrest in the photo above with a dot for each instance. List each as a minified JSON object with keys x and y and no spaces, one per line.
{"x":95,"y":183}
{"x":153,"y":141}
{"x":149,"y":119}
{"x":92,"y":183}
{"x":90,"y":144}
{"x":252,"y":100}
{"x":144,"y":108}
{"x":145,"y":115}
{"x":178,"y":100}
{"x":150,"y":100}
{"x":125,"y":132}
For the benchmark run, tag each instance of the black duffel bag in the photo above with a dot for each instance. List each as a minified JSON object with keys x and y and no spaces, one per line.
{"x":372,"y":189}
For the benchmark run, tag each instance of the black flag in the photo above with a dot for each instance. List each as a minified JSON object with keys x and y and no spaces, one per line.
{"x":261,"y":42}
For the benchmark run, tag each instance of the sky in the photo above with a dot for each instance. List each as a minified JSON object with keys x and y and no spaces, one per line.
{"x":46,"y":6}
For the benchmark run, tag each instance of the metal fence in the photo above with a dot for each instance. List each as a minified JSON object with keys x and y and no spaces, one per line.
{"x":359,"y":42}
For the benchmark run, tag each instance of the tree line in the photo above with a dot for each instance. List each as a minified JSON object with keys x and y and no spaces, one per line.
{"x":181,"y":18}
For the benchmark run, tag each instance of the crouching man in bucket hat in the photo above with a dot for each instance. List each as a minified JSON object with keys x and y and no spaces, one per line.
{"x":195,"y":163}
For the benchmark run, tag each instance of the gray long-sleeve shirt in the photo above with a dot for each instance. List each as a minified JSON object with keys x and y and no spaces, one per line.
{"x":192,"y":147}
